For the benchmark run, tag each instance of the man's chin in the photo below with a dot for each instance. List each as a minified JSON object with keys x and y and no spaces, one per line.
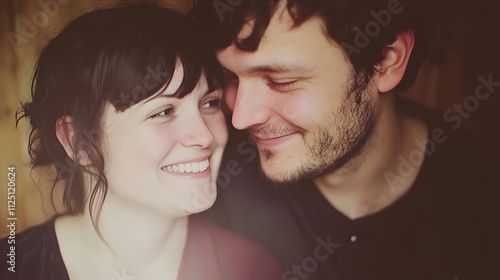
{"x":273,"y":176}
{"x":285,"y":178}
{"x":279,"y":169}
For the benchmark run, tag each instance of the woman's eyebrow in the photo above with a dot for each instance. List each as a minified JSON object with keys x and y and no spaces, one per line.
{"x":164,"y":95}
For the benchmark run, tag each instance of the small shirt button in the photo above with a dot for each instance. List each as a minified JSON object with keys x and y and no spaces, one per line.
{"x":354,"y":238}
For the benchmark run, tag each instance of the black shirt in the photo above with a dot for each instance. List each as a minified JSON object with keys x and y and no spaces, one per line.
{"x":446,"y":227}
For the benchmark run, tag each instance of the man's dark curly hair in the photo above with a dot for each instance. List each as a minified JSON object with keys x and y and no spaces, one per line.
{"x":219,"y":22}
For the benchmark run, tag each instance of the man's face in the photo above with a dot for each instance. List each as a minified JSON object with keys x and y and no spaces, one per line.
{"x":294,"y":97}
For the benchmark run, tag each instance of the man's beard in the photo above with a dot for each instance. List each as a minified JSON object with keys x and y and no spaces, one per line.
{"x":335,"y":144}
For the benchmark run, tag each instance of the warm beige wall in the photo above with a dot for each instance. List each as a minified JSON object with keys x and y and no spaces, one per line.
{"x":16,"y":68}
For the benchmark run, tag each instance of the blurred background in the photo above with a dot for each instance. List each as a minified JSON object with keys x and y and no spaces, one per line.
{"x":466,"y":46}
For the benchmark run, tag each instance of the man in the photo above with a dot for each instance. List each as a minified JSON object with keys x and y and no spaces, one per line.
{"x":369,"y":185}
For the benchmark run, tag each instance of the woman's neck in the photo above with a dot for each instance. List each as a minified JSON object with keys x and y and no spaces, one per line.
{"x":127,"y":240}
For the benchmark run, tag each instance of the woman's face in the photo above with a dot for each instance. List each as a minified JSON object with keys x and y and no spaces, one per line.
{"x":163,"y":154}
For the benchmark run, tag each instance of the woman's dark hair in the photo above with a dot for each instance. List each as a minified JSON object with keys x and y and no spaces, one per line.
{"x":121,"y":55}
{"x":220,"y":23}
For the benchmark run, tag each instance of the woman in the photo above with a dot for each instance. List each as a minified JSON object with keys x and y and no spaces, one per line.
{"x":125,"y":106}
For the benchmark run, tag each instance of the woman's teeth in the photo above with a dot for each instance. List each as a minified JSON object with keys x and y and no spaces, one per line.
{"x":194,"y":167}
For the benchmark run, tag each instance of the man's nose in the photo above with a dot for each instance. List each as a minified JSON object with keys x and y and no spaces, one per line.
{"x":251,"y":107}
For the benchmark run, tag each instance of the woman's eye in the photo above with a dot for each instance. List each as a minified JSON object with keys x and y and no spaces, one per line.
{"x":165,"y":113}
{"x":214,"y":103}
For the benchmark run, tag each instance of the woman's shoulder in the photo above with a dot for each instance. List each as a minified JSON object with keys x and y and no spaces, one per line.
{"x":238,"y":255}
{"x":25,"y":245}
{"x":29,"y":252}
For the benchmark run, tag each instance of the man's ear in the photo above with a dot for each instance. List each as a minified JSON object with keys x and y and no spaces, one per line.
{"x":391,"y":70}
{"x":65,"y":134}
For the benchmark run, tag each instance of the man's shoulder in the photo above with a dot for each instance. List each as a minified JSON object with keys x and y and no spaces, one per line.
{"x":457,"y":168}
{"x":447,"y":142}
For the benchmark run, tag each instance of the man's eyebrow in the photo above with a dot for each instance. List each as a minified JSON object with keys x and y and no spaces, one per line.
{"x":271,"y":69}
{"x":266,"y":69}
